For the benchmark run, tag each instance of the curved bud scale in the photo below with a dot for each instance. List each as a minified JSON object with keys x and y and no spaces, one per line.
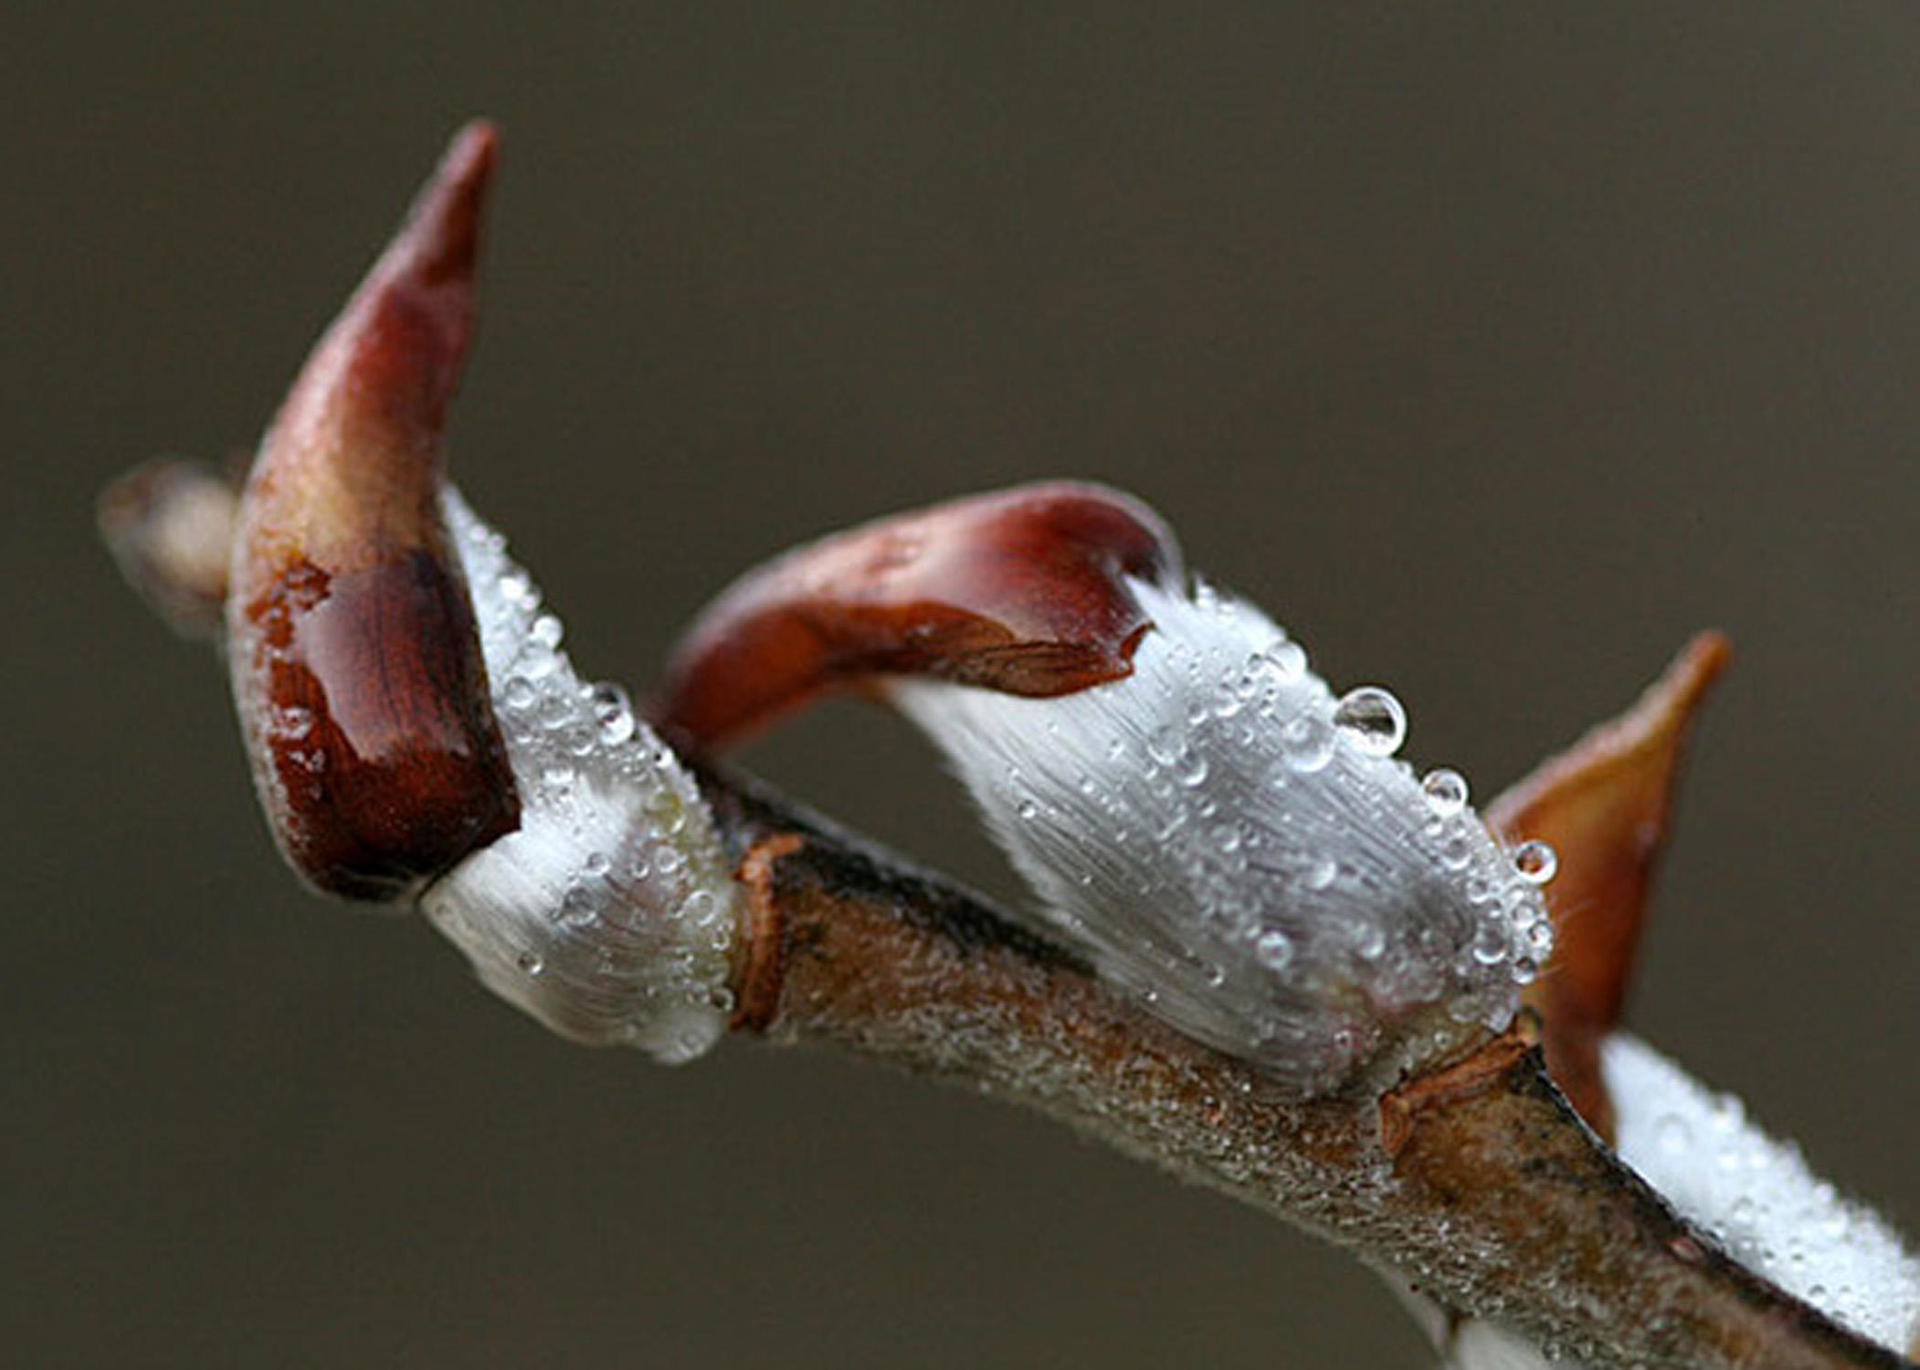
{"x":1605,"y":806}
{"x":355,"y":661}
{"x":1022,"y":591}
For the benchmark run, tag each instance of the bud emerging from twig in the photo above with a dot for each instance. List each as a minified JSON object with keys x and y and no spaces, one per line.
{"x":415,"y":730}
{"x":355,"y":665}
{"x":1227,"y":839}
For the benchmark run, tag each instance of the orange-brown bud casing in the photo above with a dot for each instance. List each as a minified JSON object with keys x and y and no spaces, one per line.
{"x":1021,"y":591}
{"x":1605,"y":806}
{"x":356,"y":664}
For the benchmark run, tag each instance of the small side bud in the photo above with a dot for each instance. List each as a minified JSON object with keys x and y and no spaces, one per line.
{"x":355,"y":665}
{"x":1021,"y":590}
{"x":169,"y":525}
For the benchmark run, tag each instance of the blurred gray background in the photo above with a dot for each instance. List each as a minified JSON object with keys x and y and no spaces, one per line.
{"x":1494,"y":347}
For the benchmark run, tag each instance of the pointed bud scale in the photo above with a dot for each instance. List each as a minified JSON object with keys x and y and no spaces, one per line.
{"x":355,"y":663}
{"x":1022,"y":591}
{"x":1604,"y":806}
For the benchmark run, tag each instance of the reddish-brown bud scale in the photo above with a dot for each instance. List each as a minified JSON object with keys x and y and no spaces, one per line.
{"x":355,"y":660}
{"x":1022,"y":591}
{"x":1605,"y":806}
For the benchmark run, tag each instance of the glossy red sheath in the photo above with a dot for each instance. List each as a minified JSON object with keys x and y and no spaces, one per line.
{"x":354,"y":656}
{"x":1022,"y":591}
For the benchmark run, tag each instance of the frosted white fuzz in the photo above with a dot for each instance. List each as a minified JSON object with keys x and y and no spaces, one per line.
{"x":1241,"y":850}
{"x":1753,"y":1194}
{"x":610,"y":914}
{"x":1758,"y":1198}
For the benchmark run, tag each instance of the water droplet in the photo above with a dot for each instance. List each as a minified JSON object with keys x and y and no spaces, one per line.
{"x":553,"y":711}
{"x":1246,"y":686}
{"x":1672,"y":1135}
{"x":535,"y":662}
{"x":1231,"y":697}
{"x":1288,"y":660}
{"x":547,"y":631}
{"x":1274,"y":948}
{"x":612,"y":713}
{"x":1490,"y":942}
{"x":576,"y":907}
{"x":1535,"y":861}
{"x":1373,"y":718}
{"x":597,"y":863}
{"x":1307,"y":741}
{"x":1446,"y":792}
{"x":530,"y":962}
{"x":1320,"y":875}
{"x":1166,"y":744}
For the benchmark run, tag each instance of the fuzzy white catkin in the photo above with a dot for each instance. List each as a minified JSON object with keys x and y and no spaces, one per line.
{"x":610,"y":914}
{"x":1242,"y":851}
{"x":1752,"y":1194}
{"x":1244,"y":854}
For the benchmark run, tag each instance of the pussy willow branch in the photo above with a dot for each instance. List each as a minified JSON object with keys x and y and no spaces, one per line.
{"x":1479,"y":1184}
{"x":1471,"y":1177}
{"x":1497,"y":1199}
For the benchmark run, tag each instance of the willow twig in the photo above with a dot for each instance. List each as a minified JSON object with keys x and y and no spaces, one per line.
{"x":417,"y":737}
{"x":1497,"y":1199}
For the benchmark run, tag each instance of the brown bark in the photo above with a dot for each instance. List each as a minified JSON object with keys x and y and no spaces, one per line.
{"x":1498,"y":1200}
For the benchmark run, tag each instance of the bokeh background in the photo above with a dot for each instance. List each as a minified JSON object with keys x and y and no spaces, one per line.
{"x":1495,"y":347}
